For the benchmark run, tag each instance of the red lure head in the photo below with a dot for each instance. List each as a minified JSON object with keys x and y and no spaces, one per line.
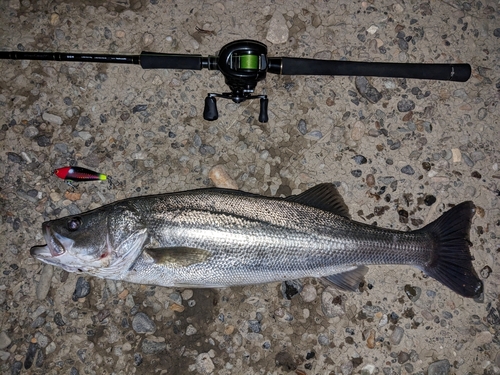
{"x":62,"y":172}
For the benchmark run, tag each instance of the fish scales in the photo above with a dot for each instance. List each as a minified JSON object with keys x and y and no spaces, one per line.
{"x":255,"y":239}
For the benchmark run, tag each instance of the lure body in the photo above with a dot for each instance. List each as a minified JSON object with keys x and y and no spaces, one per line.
{"x":79,"y":174}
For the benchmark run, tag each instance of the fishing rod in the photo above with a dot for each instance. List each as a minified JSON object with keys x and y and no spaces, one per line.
{"x":244,"y":63}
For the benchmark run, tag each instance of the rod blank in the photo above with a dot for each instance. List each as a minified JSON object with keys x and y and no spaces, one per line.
{"x":63,"y":56}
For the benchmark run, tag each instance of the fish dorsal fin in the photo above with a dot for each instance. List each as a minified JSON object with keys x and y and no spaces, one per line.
{"x":176,"y":257}
{"x":323,"y":196}
{"x":349,"y":279}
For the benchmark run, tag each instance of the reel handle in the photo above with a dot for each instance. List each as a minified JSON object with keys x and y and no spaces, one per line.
{"x":210,"y":112}
{"x":263,"y":117}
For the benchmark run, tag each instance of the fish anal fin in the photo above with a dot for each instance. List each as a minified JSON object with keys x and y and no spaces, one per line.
{"x":175,"y":257}
{"x":323,"y":196}
{"x":348,"y":280}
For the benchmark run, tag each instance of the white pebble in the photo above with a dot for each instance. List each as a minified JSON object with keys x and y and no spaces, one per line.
{"x":147,"y":39}
{"x":308,"y":293}
{"x":43,"y":286}
{"x":204,"y":364}
{"x":187,"y":294}
{"x":52,"y":118}
{"x":357,"y":131}
{"x":221,"y":178}
{"x":190,"y":330}
{"x":457,"y":155}
{"x":278,"y":30}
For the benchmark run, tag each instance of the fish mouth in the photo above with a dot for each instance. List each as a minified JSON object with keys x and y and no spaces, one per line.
{"x":41,"y":251}
{"x":56,"y":246}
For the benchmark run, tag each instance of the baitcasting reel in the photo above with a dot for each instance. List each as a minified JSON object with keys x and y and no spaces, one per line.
{"x":244,"y":63}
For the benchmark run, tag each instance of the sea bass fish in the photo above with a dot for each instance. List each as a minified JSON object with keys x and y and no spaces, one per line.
{"x":219,"y":238}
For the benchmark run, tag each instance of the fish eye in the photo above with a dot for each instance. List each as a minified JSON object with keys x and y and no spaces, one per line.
{"x":74,"y":224}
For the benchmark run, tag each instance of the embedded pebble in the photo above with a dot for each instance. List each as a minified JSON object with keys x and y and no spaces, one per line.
{"x":43,"y":287}
{"x":82,"y":288}
{"x":314,"y":135}
{"x":467,"y":160}
{"x":366,"y":90}
{"x":406,"y":105}
{"x":187,"y":294}
{"x":4,"y":340}
{"x":30,"y":355}
{"x":456,"y":155}
{"x":58,"y":319}
{"x":14,"y":158}
{"x":429,"y":200}
{"x":43,"y":140}
{"x":291,"y":288}
{"x":177,"y":307}
{"x":441,"y":367}
{"x":54,"y":19}
{"x":368,"y":369}
{"x":323,"y":339}
{"x":370,"y":341}
{"x":332,"y":303}
{"x":413,"y":292}
{"x":407,"y":169}
{"x":147,"y":39}
{"x":359,"y":159}
{"x":150,"y":346}
{"x":16,"y":368}
{"x":204,"y":364}
{"x":56,"y":120}
{"x":31,"y":132}
{"x":190,"y":330}
{"x":175,"y":297}
{"x":396,"y":335}
{"x":38,"y":322}
{"x":308,"y":293}
{"x":370,"y":180}
{"x":486,"y":272}
{"x":403,"y":357}
{"x":357,"y":131}
{"x":254,"y":325}
{"x":357,"y":173}
{"x":141,"y":323}
{"x":302,"y":127}
{"x":278,"y":30}
{"x":221,"y":178}
{"x":477,"y":156}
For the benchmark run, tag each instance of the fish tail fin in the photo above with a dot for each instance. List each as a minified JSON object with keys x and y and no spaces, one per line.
{"x":451,"y":261}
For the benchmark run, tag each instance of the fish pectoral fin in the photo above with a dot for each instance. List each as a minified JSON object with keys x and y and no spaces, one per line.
{"x":178,"y":256}
{"x":323,"y":196}
{"x":348,"y":280}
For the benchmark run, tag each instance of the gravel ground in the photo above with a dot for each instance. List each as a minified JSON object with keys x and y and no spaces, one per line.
{"x":401,"y":154}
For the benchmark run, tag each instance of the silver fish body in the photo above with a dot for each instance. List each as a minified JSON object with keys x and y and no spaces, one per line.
{"x":220,"y":238}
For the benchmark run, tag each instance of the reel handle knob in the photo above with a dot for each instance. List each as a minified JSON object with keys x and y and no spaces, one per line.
{"x":263,"y":117}
{"x":210,"y":112}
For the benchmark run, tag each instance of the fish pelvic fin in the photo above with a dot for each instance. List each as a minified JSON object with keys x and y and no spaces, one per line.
{"x":347,"y":280}
{"x":451,"y":260}
{"x":176,"y":257}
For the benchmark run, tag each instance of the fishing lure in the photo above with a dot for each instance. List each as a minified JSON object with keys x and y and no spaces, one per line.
{"x":79,"y":174}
